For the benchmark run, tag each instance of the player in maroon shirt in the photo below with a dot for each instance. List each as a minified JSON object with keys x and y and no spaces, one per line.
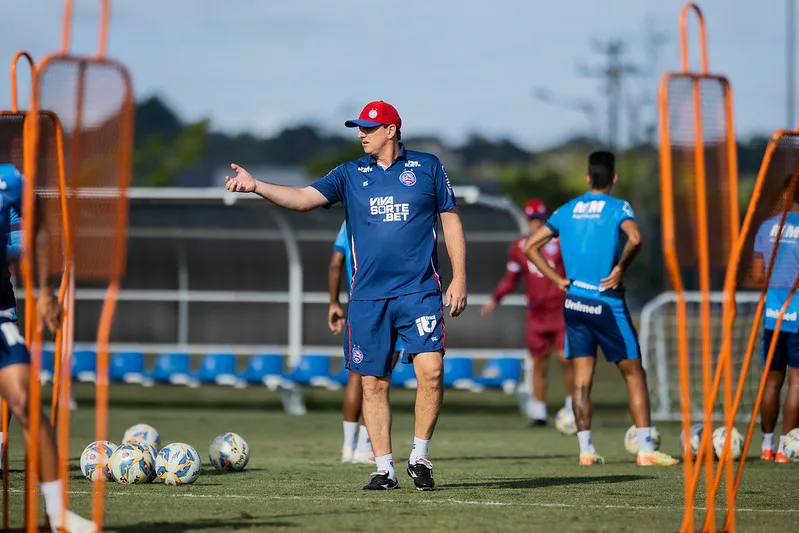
{"x":545,"y":328}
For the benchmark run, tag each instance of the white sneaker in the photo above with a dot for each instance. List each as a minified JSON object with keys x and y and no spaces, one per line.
{"x":74,"y":523}
{"x":346,"y":455}
{"x":363,"y":456}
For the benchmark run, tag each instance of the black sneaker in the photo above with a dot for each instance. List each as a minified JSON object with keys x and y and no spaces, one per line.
{"x":422,"y":474}
{"x":538,"y":422}
{"x":381,"y":481}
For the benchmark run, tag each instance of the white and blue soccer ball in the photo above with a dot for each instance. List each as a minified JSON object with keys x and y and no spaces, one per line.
{"x":695,"y":437}
{"x":95,"y":458}
{"x":631,"y":439}
{"x":132,"y":463}
{"x":178,"y":464}
{"x":791,"y":448}
{"x":229,"y":453}
{"x":565,"y":422}
{"x":142,"y":434}
{"x":736,"y":442}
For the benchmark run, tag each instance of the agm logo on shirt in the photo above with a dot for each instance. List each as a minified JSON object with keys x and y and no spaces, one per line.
{"x":384,"y":206}
{"x":590,"y":209}
{"x":790,"y":233}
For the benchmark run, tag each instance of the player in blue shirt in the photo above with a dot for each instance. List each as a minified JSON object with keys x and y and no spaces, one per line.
{"x":595,"y":311}
{"x":357,"y":447}
{"x":14,"y":356}
{"x":393,"y":199}
{"x":786,"y":353}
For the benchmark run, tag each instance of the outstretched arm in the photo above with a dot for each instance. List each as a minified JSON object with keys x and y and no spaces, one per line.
{"x":292,"y":198}
{"x":456,"y":248}
{"x":532,"y":249}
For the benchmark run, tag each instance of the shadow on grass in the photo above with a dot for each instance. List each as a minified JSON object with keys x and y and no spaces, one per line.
{"x":542,"y":482}
{"x":506,"y":457}
{"x":177,"y":527}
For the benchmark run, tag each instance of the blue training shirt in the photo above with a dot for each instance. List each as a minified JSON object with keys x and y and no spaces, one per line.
{"x":10,"y":199}
{"x":786,"y":269}
{"x":342,"y":245}
{"x":589,"y":229}
{"x":392,"y":217}
{"x":14,"y":244}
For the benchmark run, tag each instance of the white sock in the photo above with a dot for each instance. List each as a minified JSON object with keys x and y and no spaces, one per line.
{"x":364,"y":443}
{"x":538,"y":410}
{"x":419,"y":449}
{"x":645,"y":443}
{"x":53,"y":504}
{"x":385,"y":463}
{"x":568,"y":405}
{"x":782,"y":443}
{"x":768,"y":442}
{"x":350,"y":434}
{"x":586,"y":445}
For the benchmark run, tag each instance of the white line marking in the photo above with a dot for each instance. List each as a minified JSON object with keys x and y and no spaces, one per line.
{"x":485,"y":503}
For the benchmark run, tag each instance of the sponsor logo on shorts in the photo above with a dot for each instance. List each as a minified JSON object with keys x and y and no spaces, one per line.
{"x":425,"y":325}
{"x":357,"y":354}
{"x":580,"y":307}
{"x":775,"y":314}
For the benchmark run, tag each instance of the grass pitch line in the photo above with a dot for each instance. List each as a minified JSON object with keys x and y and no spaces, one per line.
{"x":485,"y":503}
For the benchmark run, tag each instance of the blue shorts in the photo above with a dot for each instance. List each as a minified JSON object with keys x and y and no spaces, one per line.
{"x":13,"y":349}
{"x":786,"y":353}
{"x":605,"y":323}
{"x":374,"y":328}
{"x":397,"y":346}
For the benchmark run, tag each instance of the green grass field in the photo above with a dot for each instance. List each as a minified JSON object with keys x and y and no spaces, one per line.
{"x":492,"y":471}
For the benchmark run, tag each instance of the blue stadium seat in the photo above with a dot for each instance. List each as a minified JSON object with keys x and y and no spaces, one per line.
{"x":84,"y":365}
{"x":496,"y":372}
{"x":311,"y":370}
{"x":171,"y":368}
{"x":262,"y":367}
{"x":47,"y":373}
{"x":458,"y":372}
{"x":219,"y":368}
{"x":403,"y":376}
{"x":127,"y":367}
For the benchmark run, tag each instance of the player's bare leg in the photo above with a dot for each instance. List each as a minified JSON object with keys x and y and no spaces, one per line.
{"x":638,"y":397}
{"x":353,"y":396}
{"x":363,"y":450}
{"x":769,"y":411}
{"x":14,"y":380}
{"x":539,"y":378}
{"x":790,"y":411}
{"x":429,"y":368}
{"x":377,"y":417}
{"x":583,"y":381}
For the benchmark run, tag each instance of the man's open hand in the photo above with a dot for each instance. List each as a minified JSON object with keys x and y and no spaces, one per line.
{"x":241,"y":182}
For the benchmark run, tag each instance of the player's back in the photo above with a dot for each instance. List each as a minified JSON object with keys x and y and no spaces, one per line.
{"x":785,"y":269}
{"x":589,"y":231}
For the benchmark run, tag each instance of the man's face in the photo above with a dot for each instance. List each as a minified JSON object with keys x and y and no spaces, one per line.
{"x":373,"y":139}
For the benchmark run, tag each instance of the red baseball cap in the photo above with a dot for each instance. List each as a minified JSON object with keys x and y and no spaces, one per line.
{"x":375,"y":114}
{"x":535,"y":208}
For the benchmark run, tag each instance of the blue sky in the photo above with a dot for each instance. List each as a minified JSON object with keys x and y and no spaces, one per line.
{"x":451,"y":67}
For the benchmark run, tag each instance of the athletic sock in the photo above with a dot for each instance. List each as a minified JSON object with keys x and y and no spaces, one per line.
{"x":53,"y":504}
{"x":645,"y":443}
{"x":364,"y":444}
{"x":385,"y":463}
{"x":350,"y":431}
{"x":568,"y":405}
{"x":419,"y":449}
{"x":768,"y":442}
{"x":538,"y":410}
{"x":586,"y":444}
{"x":783,"y":438}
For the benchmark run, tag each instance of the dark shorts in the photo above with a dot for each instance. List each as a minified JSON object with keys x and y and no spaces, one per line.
{"x":545,"y":332}
{"x":374,"y":328}
{"x":12,"y":345}
{"x":786,"y":353}
{"x":605,"y":323}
